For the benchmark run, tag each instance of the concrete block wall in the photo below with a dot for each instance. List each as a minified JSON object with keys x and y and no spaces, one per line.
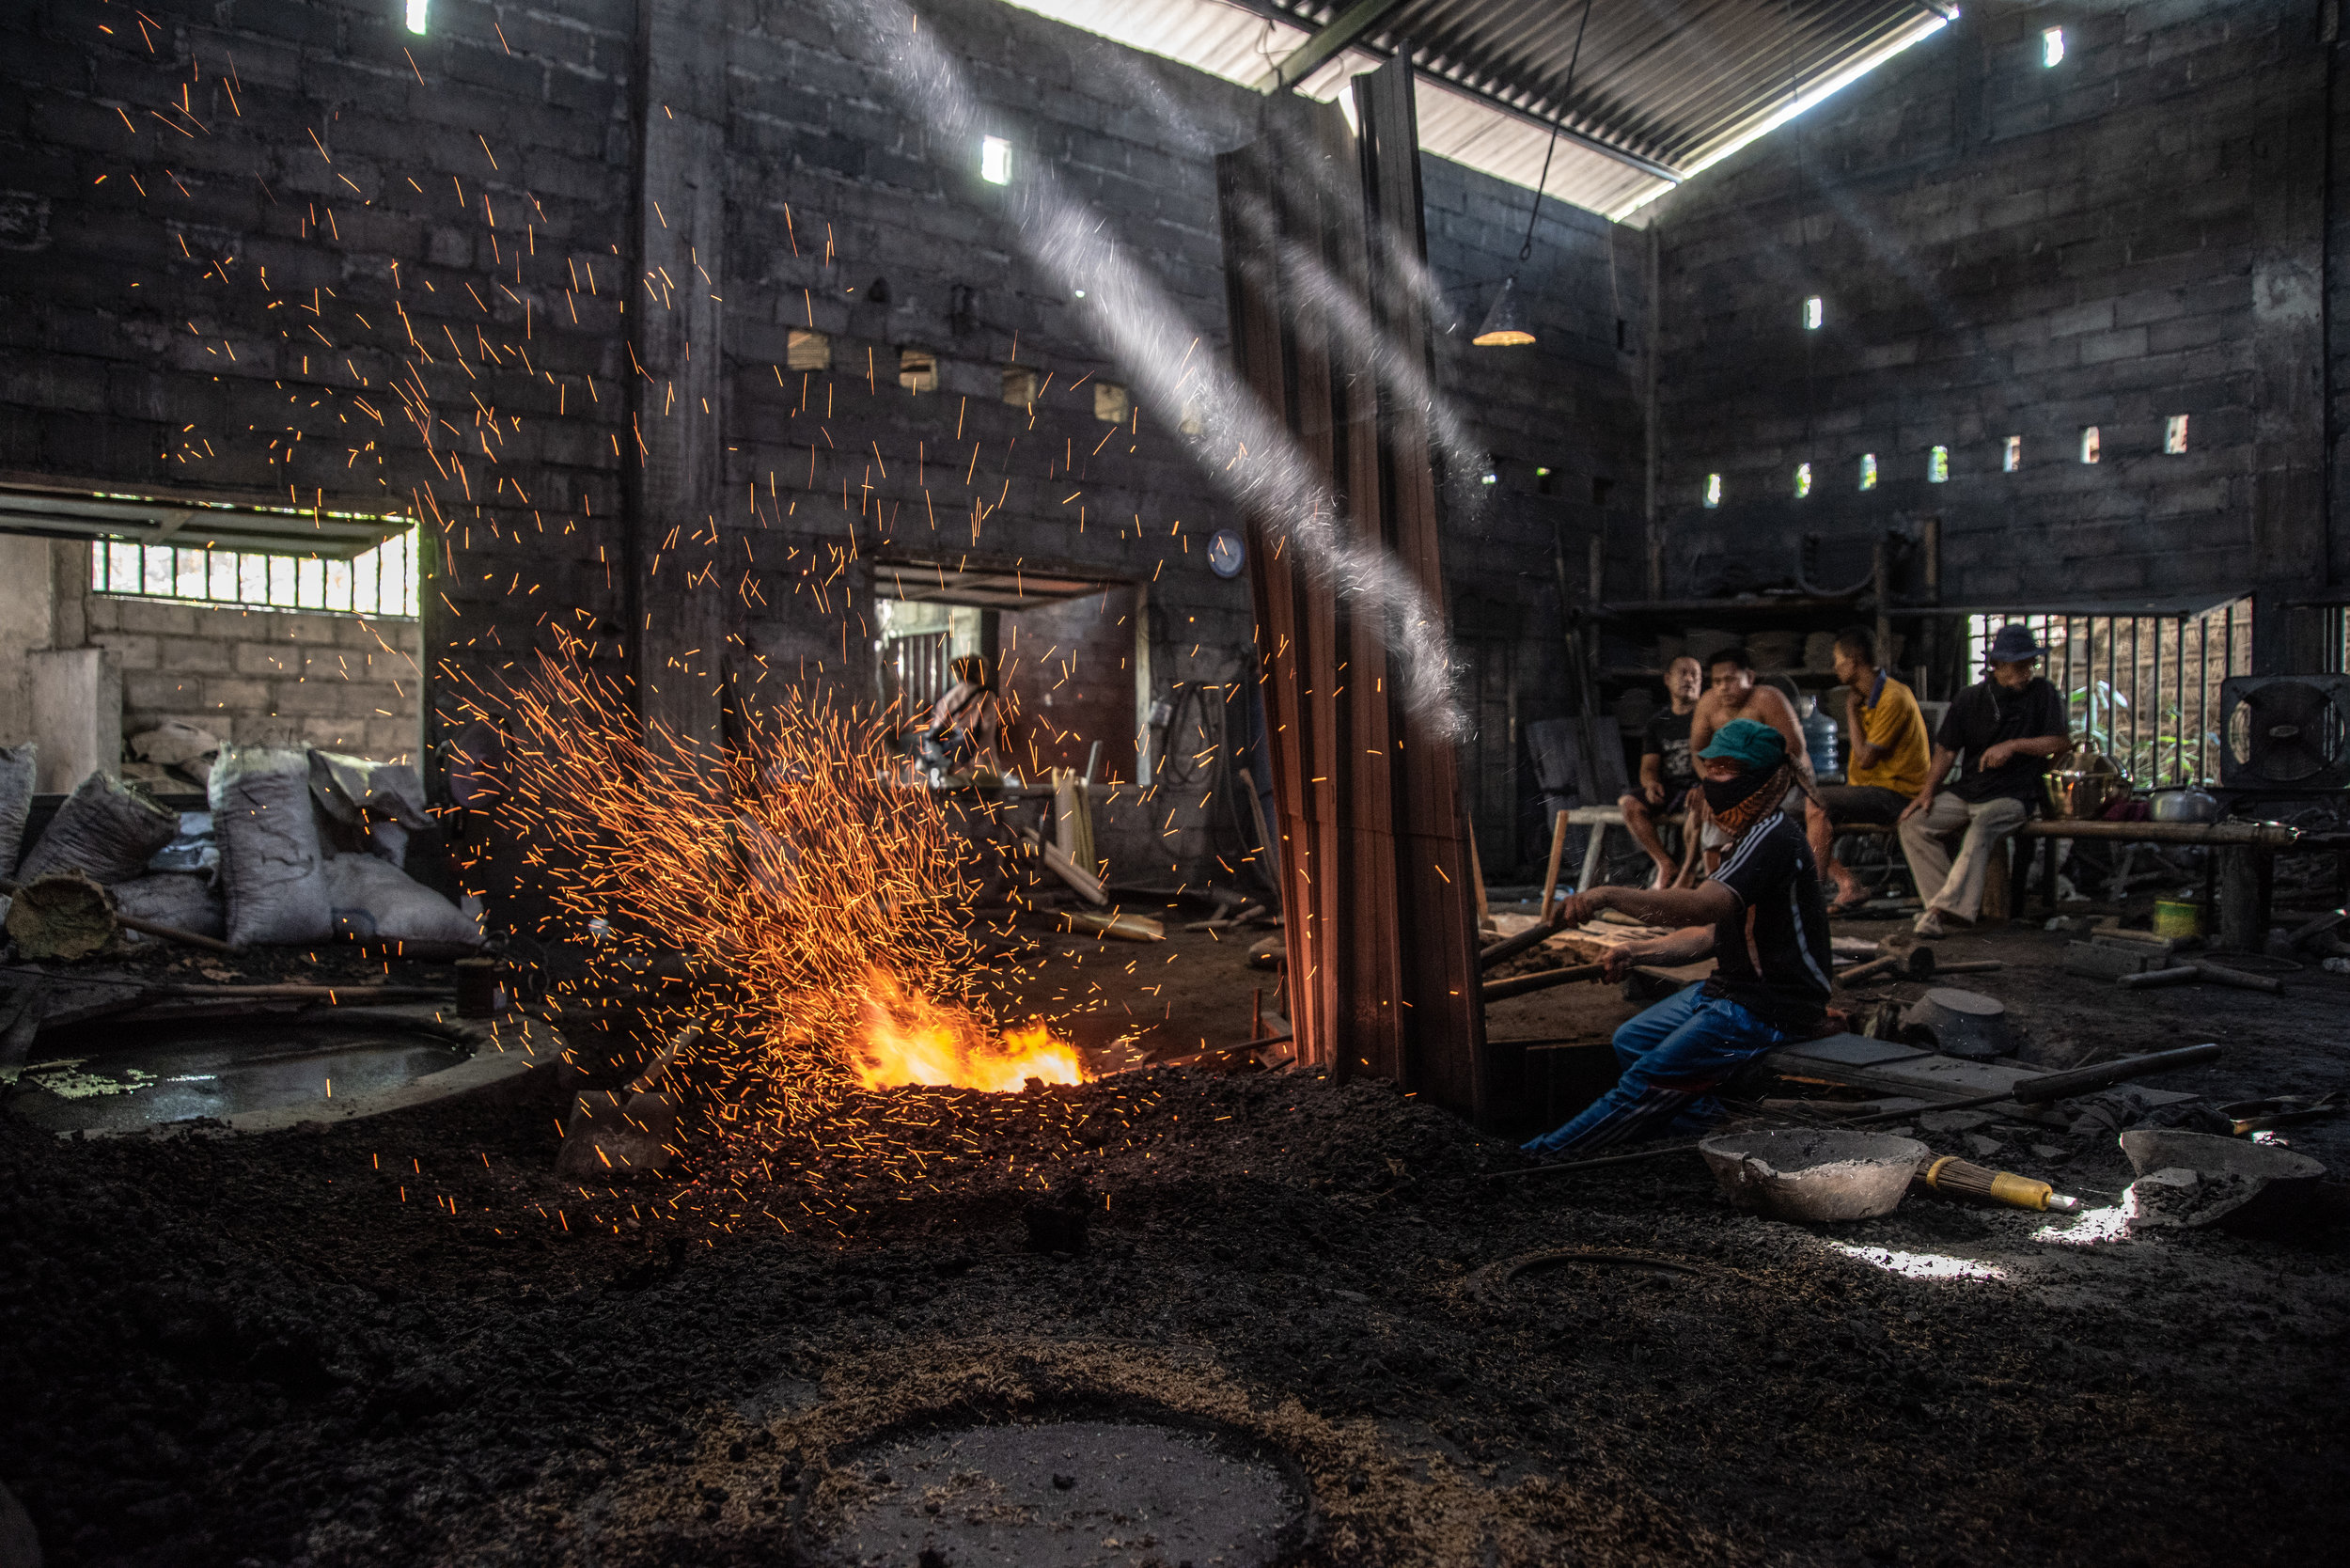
{"x":274,"y":250}
{"x":345,"y":682}
{"x":2001,"y":249}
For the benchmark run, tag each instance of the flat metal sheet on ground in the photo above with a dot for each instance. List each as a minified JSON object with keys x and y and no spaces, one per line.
{"x":1850,"y":1050}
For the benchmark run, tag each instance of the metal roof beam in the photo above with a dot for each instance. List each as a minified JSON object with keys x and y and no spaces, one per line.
{"x":1354,"y":27}
{"x":1346,"y":27}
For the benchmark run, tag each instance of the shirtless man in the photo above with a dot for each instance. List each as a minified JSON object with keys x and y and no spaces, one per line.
{"x":1731,"y":693}
{"x":1668,"y":777}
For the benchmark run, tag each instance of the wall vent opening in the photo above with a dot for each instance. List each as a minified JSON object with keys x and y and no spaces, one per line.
{"x":804,"y":349}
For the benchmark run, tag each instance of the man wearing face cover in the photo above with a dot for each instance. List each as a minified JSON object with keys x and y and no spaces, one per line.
{"x":1763,"y":921}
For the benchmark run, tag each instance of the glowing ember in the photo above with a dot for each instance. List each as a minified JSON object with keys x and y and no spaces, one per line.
{"x":909,"y":1038}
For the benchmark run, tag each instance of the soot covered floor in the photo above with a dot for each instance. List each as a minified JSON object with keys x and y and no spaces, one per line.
{"x":370,"y":1345}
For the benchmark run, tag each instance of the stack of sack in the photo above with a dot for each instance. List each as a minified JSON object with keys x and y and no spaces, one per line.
{"x":300,"y":846}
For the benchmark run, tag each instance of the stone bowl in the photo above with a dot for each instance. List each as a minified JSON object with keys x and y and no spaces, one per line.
{"x":1813,"y":1174}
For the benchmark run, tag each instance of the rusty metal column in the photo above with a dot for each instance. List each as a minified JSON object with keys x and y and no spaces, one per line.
{"x":1321,"y":236}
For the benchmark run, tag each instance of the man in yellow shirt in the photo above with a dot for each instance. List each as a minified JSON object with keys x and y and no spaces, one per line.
{"x":1888,"y":765}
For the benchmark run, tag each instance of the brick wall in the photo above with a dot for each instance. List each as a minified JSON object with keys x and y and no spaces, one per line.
{"x":2001,"y":249}
{"x":345,"y":682}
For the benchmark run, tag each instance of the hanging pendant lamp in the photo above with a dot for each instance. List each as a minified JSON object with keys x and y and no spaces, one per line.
{"x":1505,"y":324}
{"x":1505,"y":321}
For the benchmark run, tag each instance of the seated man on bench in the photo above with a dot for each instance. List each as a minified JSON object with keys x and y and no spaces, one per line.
{"x":1667,"y":777}
{"x":1764,"y":922}
{"x":1888,"y":767}
{"x":2004,"y":728}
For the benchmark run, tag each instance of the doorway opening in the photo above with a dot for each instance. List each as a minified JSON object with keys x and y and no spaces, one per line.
{"x":1066,"y":656}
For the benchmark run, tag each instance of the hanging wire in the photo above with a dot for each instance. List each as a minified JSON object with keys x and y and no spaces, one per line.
{"x":1526,"y":251}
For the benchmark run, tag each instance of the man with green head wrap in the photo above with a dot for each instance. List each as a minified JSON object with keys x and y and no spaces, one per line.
{"x":1761,"y":917}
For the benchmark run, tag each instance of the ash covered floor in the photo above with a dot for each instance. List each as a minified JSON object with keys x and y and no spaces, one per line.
{"x":367,"y":1345}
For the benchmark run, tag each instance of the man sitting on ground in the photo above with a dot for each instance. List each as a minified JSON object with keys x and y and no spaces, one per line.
{"x":1888,"y":767}
{"x":1666,"y":775}
{"x":1764,"y":922}
{"x":2006,"y":726}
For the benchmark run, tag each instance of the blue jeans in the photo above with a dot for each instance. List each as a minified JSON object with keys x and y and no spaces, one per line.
{"x":1674,"y":1056}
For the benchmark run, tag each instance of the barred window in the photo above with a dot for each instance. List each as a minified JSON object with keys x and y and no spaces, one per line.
{"x":379,"y":581}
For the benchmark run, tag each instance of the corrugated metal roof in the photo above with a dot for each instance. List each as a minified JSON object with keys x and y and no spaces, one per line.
{"x":1662,"y":87}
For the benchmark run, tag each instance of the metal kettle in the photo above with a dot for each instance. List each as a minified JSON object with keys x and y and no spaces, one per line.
{"x":2082,"y":784}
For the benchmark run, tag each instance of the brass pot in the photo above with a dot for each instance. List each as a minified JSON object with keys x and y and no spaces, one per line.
{"x":2082,"y":785}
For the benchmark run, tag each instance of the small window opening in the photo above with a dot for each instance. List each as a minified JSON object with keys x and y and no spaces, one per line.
{"x":2174,"y":434}
{"x":1814,"y":314}
{"x":1938,"y":466}
{"x":1542,"y":481}
{"x":807,"y":351}
{"x":1111,"y":402}
{"x":1803,"y":480}
{"x":996,"y":160}
{"x":2011,"y":456}
{"x":2088,"y":444}
{"x":417,"y":9}
{"x":1868,"y":470}
{"x":1601,"y":489}
{"x":1712,"y":490}
{"x":1020,"y":384}
{"x":1623,"y":333}
{"x":918,"y":371}
{"x":2051,"y":46}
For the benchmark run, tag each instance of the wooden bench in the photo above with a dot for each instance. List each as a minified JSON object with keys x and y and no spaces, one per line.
{"x":2237,"y":880}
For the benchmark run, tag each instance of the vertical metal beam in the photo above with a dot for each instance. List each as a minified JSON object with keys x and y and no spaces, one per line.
{"x":677,"y":624}
{"x":2290,"y":543}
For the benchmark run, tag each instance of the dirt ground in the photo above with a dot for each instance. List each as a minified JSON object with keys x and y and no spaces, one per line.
{"x":402,"y":1342}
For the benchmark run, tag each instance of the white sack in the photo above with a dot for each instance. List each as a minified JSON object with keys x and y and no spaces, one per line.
{"x":16,"y":801}
{"x":104,"y":831}
{"x":400,"y":908}
{"x":175,"y":899}
{"x":270,"y":860}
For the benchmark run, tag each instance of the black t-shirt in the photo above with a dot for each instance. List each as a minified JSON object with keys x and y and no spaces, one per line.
{"x":1668,"y":736}
{"x":1986,"y":713}
{"x":1773,"y":957}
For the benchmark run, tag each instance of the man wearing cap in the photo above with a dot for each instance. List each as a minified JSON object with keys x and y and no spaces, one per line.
{"x":1763,"y":920}
{"x":2002,"y":731}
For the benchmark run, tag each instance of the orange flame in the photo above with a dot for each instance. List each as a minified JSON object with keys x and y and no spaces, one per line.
{"x":909,"y":1038}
